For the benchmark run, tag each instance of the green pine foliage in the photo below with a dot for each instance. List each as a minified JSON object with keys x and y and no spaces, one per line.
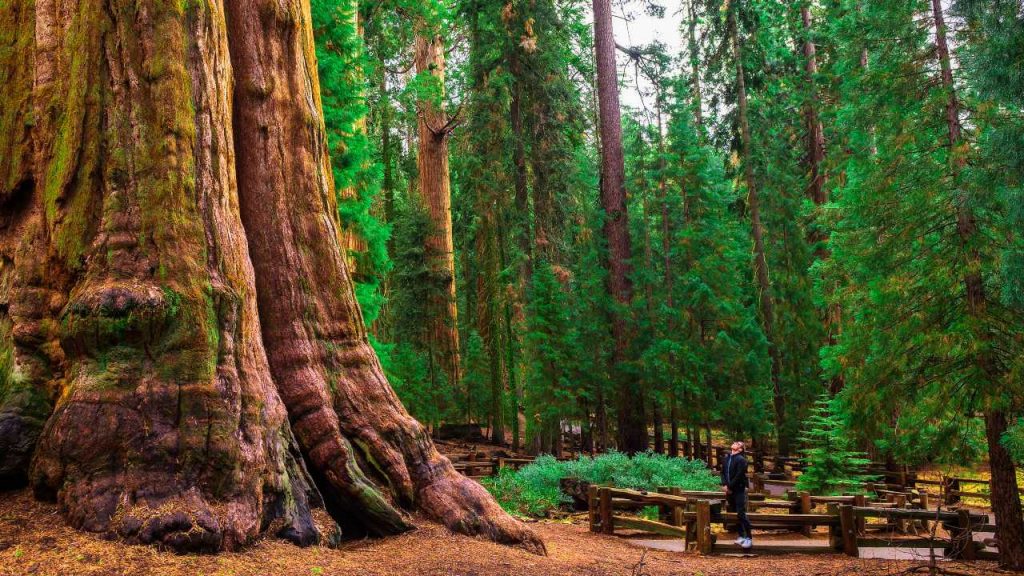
{"x":534,"y":490}
{"x":869,"y":287}
{"x":911,"y":349}
{"x":418,"y":380}
{"x":833,"y":467}
{"x":342,"y":67}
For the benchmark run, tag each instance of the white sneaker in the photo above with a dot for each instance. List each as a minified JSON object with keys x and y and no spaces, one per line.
{"x":740,"y":541}
{"x":746,"y":544}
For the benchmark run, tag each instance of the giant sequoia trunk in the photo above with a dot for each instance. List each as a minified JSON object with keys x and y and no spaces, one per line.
{"x":173,"y":291}
{"x":436,"y":196}
{"x":632,"y":432}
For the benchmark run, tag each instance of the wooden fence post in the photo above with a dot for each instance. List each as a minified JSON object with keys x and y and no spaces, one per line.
{"x":606,"y":511}
{"x":848,"y":530}
{"x":691,"y":526}
{"x":704,"y":527}
{"x":861,"y":501}
{"x":592,"y":504}
{"x":951,"y":488}
{"x":677,"y":511}
{"x":664,"y":511}
{"x":965,"y":535}
{"x":925,"y":504}
{"x":901,"y":502}
{"x":835,"y":531}
{"x":805,"y":508}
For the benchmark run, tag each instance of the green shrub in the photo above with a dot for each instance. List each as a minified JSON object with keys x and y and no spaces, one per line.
{"x":534,"y":490}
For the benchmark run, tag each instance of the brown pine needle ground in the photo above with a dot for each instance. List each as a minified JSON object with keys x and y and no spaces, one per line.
{"x":34,"y":539}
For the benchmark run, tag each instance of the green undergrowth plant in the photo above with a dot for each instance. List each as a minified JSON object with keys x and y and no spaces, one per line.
{"x":833,"y":465}
{"x":534,"y":490}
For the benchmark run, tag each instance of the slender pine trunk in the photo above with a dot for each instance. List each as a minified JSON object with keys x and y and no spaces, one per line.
{"x":1005,"y":495}
{"x":629,"y":411}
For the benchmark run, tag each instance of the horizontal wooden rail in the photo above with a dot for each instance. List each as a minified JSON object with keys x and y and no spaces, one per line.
{"x":628,"y":523}
{"x":901,"y":543}
{"x":909,"y":514}
{"x":782,"y":519}
{"x":833,"y":499}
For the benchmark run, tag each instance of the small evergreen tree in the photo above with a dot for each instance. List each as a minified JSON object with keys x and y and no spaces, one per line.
{"x":833,"y":467}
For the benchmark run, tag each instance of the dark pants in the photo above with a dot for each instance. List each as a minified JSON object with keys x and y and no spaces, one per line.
{"x":738,"y":503}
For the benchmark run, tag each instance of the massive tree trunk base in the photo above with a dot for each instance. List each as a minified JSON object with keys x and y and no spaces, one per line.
{"x":1005,"y":495}
{"x":174,"y":301}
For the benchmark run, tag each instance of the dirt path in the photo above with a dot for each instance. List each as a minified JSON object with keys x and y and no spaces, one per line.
{"x":35,"y":540}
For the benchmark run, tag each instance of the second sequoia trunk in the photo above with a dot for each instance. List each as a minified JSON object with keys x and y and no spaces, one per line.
{"x":436,"y":196}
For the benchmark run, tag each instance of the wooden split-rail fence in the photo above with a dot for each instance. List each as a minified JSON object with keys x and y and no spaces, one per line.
{"x":777,"y":474}
{"x":782,"y":471}
{"x":690,"y":515}
{"x":478,"y":466}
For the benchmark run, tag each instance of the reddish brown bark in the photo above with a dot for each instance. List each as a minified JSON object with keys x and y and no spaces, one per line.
{"x":125,"y":276}
{"x":1005,"y":496}
{"x":766,"y":300}
{"x":129,"y":289}
{"x":319,"y":354}
{"x":22,"y":409}
{"x":435,"y":193}
{"x":632,"y":429}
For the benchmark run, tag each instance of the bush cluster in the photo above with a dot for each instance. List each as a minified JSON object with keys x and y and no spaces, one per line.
{"x":534,"y":490}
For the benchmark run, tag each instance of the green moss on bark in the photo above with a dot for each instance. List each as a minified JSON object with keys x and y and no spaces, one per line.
{"x":16,"y":118}
{"x":23,"y":410}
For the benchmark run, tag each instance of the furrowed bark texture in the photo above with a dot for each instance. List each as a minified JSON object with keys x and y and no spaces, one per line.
{"x":632,"y":432}
{"x":23,"y":407}
{"x":370,"y":457}
{"x":436,"y":195}
{"x":128,"y":299}
{"x":125,"y":273}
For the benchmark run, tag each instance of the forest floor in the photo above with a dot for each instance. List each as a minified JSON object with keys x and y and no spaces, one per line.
{"x":34,"y":539}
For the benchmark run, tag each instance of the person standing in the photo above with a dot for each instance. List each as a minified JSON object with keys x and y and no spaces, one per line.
{"x":734,"y":484}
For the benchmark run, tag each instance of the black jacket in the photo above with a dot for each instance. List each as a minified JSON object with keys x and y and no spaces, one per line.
{"x":734,"y":473}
